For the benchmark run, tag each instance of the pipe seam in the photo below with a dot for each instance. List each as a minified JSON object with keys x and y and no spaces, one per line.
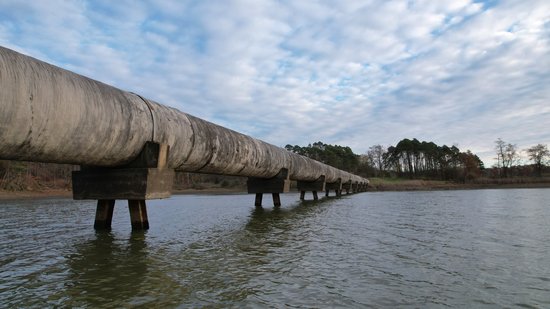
{"x":152,"y":116}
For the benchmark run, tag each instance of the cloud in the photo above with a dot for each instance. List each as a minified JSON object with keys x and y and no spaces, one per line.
{"x":352,"y":73}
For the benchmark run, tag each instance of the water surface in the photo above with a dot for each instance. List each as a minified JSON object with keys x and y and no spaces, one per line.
{"x":480,"y":248}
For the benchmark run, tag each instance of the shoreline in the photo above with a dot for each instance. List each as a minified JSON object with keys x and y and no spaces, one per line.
{"x":451,"y":186}
{"x":31,"y":195}
{"x":54,"y":193}
{"x":375,"y":187}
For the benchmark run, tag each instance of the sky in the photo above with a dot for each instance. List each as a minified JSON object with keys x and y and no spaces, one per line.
{"x":351,"y":73}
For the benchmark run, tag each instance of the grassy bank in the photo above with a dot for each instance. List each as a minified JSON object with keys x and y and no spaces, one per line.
{"x":400,"y":184}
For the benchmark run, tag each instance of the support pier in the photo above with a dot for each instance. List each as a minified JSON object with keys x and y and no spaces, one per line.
{"x":276,"y":185}
{"x":313,"y":186}
{"x":335,"y":186}
{"x":143,"y":179}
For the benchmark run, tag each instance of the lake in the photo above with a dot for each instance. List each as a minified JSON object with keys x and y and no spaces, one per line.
{"x":477,"y":248}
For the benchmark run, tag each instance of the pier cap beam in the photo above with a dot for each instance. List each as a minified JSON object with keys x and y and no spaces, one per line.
{"x":275,"y":185}
{"x":313,"y":186}
{"x":142,"y":179}
{"x":146,"y":177}
{"x":336,"y":186}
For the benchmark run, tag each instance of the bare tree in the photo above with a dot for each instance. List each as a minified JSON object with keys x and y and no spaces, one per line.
{"x":507,"y":156}
{"x":539,"y":154}
{"x":376,"y":157}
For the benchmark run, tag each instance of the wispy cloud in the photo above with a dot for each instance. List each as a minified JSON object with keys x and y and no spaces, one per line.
{"x":354,"y":73}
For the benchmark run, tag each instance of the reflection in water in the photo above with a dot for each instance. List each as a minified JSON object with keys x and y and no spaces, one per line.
{"x":263,"y":220}
{"x":106,"y":269}
{"x":225,"y":268}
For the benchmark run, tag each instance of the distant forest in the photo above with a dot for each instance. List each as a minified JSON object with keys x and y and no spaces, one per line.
{"x":414,"y":159}
{"x":409,"y":158}
{"x":337,"y":156}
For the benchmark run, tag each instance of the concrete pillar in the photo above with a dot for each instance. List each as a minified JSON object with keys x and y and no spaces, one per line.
{"x":104,"y":214}
{"x":275,"y":185}
{"x":138,"y":214}
{"x":336,"y":186}
{"x":313,"y":186}
{"x":346,"y":186}
{"x":276,"y":199}
{"x":258,"y":200}
{"x":144,"y":178}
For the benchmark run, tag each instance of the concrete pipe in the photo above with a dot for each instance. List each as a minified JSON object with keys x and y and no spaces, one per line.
{"x":48,"y":114}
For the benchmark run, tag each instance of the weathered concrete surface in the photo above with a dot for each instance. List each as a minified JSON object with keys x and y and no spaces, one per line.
{"x":123,"y":184}
{"x":48,"y":114}
{"x":278,"y":184}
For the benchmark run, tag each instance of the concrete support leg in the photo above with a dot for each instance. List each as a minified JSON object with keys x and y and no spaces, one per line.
{"x":313,"y":186}
{"x":146,"y":177}
{"x":258,"y":200}
{"x":347,"y":186}
{"x":336,"y":186}
{"x":138,"y":214}
{"x":276,"y":199}
{"x":276,"y":185}
{"x":104,"y":214}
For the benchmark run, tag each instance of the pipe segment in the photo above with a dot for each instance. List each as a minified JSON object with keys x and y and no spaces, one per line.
{"x":48,"y":114}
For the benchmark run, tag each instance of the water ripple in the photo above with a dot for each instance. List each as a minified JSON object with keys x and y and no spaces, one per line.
{"x":408,"y":249}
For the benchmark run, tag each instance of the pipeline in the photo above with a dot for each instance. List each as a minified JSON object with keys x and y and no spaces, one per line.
{"x":48,"y":114}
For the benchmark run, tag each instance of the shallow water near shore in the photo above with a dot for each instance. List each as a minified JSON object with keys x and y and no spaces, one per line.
{"x":479,"y":248}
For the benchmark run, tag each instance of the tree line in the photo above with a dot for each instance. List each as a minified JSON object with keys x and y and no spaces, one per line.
{"x":509,"y":159}
{"x":341,"y":157}
{"x":409,"y":158}
{"x":416,"y":159}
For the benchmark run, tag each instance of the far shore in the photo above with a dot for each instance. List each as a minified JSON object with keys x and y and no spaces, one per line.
{"x":433,"y":185}
{"x":376,"y":185}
